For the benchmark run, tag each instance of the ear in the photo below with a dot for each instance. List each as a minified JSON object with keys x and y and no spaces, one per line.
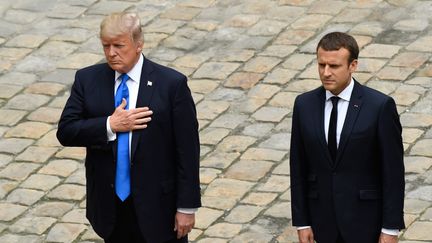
{"x":140,"y":45}
{"x":353,"y":66}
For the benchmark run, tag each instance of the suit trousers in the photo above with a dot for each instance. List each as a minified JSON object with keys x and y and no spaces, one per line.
{"x":126,"y":228}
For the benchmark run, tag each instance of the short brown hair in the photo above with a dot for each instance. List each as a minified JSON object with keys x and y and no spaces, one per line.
{"x":336,"y":40}
{"x":122,"y":23}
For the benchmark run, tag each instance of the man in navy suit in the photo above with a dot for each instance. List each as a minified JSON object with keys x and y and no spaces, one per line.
{"x":137,"y":120}
{"x":346,"y":157}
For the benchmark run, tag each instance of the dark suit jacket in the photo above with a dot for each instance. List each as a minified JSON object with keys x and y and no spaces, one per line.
{"x":363,"y":190}
{"x":164,"y":156}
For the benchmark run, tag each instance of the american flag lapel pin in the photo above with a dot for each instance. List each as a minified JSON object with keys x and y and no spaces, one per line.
{"x":149,"y":83}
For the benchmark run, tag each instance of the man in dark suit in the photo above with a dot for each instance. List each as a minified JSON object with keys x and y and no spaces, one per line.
{"x":347,"y":171}
{"x":137,"y":120}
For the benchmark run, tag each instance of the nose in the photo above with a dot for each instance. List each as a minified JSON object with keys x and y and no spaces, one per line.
{"x":327,"y":70}
{"x":111,"y":51}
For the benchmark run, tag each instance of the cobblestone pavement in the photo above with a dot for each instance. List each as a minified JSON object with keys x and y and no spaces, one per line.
{"x":246,"y":61}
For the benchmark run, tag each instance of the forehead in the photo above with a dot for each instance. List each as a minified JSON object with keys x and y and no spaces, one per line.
{"x":340,"y":55}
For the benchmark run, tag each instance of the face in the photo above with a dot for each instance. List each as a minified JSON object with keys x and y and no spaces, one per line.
{"x":334,"y":69}
{"x":121,"y":52}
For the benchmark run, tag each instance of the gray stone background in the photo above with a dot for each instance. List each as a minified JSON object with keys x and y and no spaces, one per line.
{"x":246,"y":62}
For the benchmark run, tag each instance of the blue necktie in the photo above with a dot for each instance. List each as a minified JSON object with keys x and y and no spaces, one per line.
{"x":122,"y":182}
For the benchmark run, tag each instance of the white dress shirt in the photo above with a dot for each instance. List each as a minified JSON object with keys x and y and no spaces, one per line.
{"x":342,"y":107}
{"x":133,"y":86}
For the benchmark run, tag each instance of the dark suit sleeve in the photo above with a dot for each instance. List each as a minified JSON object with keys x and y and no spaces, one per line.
{"x":391,"y":149}
{"x":298,"y":172}
{"x":76,"y":128}
{"x":187,"y":148}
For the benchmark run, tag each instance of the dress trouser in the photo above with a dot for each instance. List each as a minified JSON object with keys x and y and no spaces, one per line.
{"x":127,"y":229}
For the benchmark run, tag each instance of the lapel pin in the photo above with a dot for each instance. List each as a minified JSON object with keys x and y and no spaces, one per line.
{"x":356,"y":106}
{"x":149,"y":83}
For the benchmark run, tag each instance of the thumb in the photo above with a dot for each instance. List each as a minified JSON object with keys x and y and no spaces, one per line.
{"x":123,"y":103}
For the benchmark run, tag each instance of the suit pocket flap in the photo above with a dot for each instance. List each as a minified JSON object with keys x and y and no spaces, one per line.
{"x":168,"y":186}
{"x":369,"y":194}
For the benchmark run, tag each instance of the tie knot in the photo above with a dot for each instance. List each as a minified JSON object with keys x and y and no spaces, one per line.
{"x":334,"y":100}
{"x":124,"y":77}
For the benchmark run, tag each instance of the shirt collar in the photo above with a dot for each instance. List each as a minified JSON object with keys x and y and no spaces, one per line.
{"x":135,"y":73}
{"x":345,"y":94}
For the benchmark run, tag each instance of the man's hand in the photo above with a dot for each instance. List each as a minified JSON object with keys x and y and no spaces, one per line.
{"x":183,"y":224}
{"x":385,"y":238}
{"x":305,"y":235}
{"x":127,"y":120}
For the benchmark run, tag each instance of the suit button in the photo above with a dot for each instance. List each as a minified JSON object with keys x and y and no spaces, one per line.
{"x":112,"y":185}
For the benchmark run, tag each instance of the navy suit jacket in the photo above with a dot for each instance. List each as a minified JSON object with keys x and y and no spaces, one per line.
{"x":363,"y":190}
{"x":164,"y":156}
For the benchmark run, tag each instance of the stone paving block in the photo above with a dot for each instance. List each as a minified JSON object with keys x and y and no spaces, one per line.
{"x":52,"y":209}
{"x":216,"y":70}
{"x":249,"y":105}
{"x":409,"y":59}
{"x":34,"y":64}
{"x":282,"y":168}
{"x":36,"y":154}
{"x":45,"y":114}
{"x":11,"y":238}
{"x":352,"y":15}
{"x":75,"y":216}
{"x":191,"y":61}
{"x":27,"y":102}
{"x":180,"y":13}
{"x":28,"y":130}
{"x":327,"y":7}
{"x":248,"y":170}
{"x":51,"y":89}
{"x":211,"y":109}
{"x":26,"y":41}
{"x":244,"y":80}
{"x":228,"y":188}
{"x":6,"y":186}
{"x":77,"y":177}
{"x":20,"y":16}
{"x":275,"y":183}
{"x":212,"y":240}
{"x":5,"y":159}
{"x":63,"y":167}
{"x":280,"y":141}
{"x":90,"y":234}
{"x":395,"y":73}
{"x":79,"y":60}
{"x":270,"y":114}
{"x":371,"y":28}
{"x":243,"y":214}
{"x":215,"y":202}
{"x":67,"y":192}
{"x":422,"y":148}
{"x":311,"y":22}
{"x":288,"y":235}
{"x":11,"y":117}
{"x":405,"y":98}
{"x":9,"y":211}
{"x":410,"y":135}
{"x":422,"y":44}
{"x":423,"y":192}
{"x":14,"y":145}
{"x":41,"y":182}
{"x":77,"y":153}
{"x":261,"y":64}
{"x":24,"y":196}
{"x":56,"y":49}
{"x":263,"y":154}
{"x":223,"y":230}
{"x":18,"y":171}
{"x":64,"y":232}
{"x":7,"y":91}
{"x":206,"y":216}
{"x":49,"y":140}
{"x":258,"y":129}
{"x":260,"y":198}
{"x":267,"y":28}
{"x":380,"y":51}
{"x":279,"y":210}
{"x":229,"y":121}
{"x":13,"y":54}
{"x":226,"y":94}
{"x":263,"y":91}
{"x":207,"y":175}
{"x":235,"y":143}
{"x":419,"y":231}
{"x":165,"y":26}
{"x":65,"y":11}
{"x":213,"y":135}
{"x":251,"y":42}
{"x":427,"y":215}
{"x":252,"y":237}
{"x":32,"y":225}
{"x":303,"y":85}
{"x":386,"y":87}
{"x":242,"y":20}
{"x":235,"y":56}
{"x":284,"y":99}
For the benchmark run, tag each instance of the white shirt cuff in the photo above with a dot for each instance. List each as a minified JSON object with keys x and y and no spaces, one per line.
{"x":110,"y":135}
{"x":187,"y":210}
{"x":303,"y":227}
{"x":390,"y":231}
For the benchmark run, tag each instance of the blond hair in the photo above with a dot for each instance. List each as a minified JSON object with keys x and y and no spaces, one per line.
{"x":121,"y":23}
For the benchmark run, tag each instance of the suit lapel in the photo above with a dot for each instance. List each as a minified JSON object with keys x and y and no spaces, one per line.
{"x":350,"y":119}
{"x":145,"y":93}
